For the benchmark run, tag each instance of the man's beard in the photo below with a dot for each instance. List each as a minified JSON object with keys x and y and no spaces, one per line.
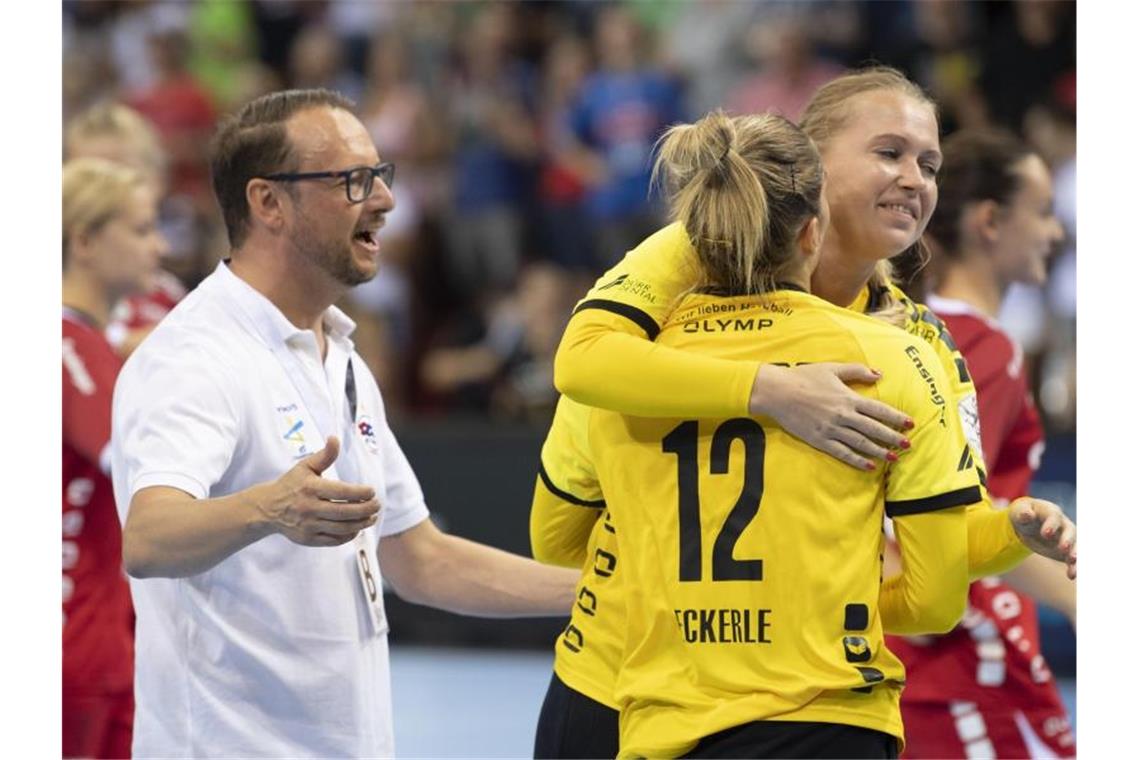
{"x":335,"y":259}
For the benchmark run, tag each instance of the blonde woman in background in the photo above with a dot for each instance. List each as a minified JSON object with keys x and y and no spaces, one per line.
{"x":111,"y":250}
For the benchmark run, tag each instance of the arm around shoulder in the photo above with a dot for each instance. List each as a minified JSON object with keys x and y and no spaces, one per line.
{"x":609,"y":361}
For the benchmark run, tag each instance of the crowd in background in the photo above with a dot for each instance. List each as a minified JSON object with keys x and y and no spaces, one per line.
{"x":522,"y":135}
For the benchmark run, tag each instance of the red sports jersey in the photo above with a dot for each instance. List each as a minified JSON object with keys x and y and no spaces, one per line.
{"x":984,"y":690}
{"x":146,"y":309}
{"x":97,"y":615}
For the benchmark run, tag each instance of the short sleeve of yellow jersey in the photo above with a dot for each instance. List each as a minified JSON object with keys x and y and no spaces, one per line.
{"x":607,"y":357}
{"x":568,"y":499}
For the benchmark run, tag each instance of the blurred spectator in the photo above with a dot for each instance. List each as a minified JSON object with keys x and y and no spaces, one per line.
{"x":788,"y":71}
{"x":1030,"y":47}
{"x":623,"y":108}
{"x":223,"y":56}
{"x":701,"y":46}
{"x":495,"y":146}
{"x":317,"y":61}
{"x":356,"y":23}
{"x":946,"y":59}
{"x":89,"y":74}
{"x":117,"y":133}
{"x":510,"y":371}
{"x":181,"y":110}
{"x":563,"y":230}
{"x":132,"y":30}
{"x":430,"y":29}
{"x":277,"y":24}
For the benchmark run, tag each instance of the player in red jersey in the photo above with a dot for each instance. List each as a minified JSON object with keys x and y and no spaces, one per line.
{"x":984,"y":689}
{"x":111,"y":248}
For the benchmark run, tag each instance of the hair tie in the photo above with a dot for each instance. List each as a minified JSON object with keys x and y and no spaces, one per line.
{"x":724,"y":155}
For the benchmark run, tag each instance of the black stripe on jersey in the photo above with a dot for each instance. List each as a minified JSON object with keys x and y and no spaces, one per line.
{"x":959,"y":498}
{"x":967,"y":458}
{"x":598,"y":504}
{"x":963,"y":373}
{"x":632,"y":313}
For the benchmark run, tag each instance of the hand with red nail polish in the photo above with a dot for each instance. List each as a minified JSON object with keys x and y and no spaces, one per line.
{"x":1043,"y":527}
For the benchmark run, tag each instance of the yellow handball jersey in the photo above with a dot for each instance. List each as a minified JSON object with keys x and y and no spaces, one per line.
{"x":750,"y":562}
{"x":611,"y":360}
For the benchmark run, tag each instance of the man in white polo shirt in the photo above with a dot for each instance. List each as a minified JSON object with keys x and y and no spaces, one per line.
{"x":262,"y":493}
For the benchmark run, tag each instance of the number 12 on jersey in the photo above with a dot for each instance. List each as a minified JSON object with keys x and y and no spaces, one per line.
{"x":683,"y":441}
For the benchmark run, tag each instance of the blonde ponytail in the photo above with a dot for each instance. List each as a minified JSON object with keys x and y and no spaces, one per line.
{"x":742,"y":187}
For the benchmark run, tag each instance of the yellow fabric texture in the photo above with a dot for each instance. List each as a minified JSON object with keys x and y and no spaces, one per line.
{"x":782,"y":540}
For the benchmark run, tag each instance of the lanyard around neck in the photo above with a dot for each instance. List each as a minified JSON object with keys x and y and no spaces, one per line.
{"x":350,"y":389}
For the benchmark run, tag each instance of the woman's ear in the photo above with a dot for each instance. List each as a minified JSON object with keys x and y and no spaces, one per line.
{"x":79,"y":246}
{"x":982,"y":220}
{"x":811,"y":236}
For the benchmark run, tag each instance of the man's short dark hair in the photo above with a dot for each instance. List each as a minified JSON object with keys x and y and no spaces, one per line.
{"x":252,"y":143}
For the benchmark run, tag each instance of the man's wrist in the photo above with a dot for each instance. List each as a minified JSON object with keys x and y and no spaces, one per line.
{"x":261,"y":510}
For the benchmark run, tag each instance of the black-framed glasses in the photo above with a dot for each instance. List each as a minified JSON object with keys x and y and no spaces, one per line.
{"x":357,"y":180}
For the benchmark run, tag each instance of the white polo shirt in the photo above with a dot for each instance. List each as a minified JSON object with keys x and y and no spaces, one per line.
{"x":272,"y":652}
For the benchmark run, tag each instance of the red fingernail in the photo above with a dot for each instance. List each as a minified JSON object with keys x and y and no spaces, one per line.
{"x":904,"y":443}
{"x":892,"y":456}
{"x":908,"y":424}
{"x":869,"y":466}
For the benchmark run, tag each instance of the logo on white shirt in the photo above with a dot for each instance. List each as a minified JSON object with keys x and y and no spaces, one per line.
{"x":294,"y":432}
{"x":367,"y":432}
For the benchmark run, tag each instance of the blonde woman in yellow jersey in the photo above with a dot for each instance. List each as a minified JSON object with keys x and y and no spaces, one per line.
{"x":606,"y":359}
{"x":750,"y":562}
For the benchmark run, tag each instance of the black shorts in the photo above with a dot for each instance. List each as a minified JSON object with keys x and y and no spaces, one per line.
{"x":774,"y":738}
{"x":571,"y":725}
